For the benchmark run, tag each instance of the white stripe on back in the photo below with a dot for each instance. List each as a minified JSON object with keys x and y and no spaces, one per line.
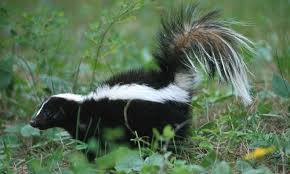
{"x":132,"y":92}
{"x":69,"y":96}
{"x":140,"y":92}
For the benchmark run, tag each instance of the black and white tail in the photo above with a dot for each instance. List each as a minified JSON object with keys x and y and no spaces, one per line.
{"x":187,"y":44}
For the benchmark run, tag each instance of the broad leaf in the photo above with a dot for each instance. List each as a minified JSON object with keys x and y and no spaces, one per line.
{"x":28,"y":131}
{"x":222,"y":168}
{"x":129,"y":162}
{"x":280,"y":86}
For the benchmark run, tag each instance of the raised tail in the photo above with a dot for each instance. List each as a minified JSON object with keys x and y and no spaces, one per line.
{"x":187,"y":44}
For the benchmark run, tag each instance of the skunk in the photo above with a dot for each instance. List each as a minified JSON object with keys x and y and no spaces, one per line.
{"x":140,"y":100}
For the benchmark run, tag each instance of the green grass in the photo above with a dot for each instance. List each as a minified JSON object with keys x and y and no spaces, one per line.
{"x":50,"y":47}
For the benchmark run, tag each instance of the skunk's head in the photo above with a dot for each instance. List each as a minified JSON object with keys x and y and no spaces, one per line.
{"x":56,"y":111}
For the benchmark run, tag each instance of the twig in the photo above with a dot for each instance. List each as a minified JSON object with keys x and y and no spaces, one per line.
{"x":31,"y":76}
{"x":126,"y":116}
{"x":76,"y":76}
{"x":101,"y":43}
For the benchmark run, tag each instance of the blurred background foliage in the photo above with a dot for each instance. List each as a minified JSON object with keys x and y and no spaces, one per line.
{"x":49,"y":46}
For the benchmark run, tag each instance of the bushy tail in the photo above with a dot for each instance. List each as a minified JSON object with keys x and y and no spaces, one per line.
{"x":187,"y":44}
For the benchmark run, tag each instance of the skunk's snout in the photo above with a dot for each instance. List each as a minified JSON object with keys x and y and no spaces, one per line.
{"x":41,"y":123}
{"x":33,"y":123}
{"x":36,"y":123}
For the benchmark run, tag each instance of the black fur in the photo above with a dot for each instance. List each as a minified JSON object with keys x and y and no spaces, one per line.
{"x":142,"y":117}
{"x":154,"y":78}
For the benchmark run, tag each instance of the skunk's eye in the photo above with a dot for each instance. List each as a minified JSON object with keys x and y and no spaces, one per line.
{"x":46,"y":114}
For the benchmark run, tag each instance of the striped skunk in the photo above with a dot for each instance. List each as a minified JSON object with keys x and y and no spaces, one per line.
{"x":140,"y":100}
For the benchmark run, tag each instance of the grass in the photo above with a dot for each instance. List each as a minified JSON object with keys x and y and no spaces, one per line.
{"x":50,"y":47}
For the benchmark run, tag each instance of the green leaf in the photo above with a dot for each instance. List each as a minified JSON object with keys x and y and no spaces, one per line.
{"x":112,"y":134}
{"x":114,"y":158}
{"x":36,"y":167}
{"x":28,"y":131}
{"x":5,"y":72}
{"x":81,"y":145}
{"x":264,"y":52}
{"x":259,"y":170}
{"x":149,"y":169}
{"x":79,"y":164}
{"x":206,"y":145}
{"x":155,"y":159}
{"x":243,"y":166}
{"x":280,"y":86}
{"x":93,"y":145}
{"x":209,"y":158}
{"x":11,"y":141}
{"x":183,"y":169}
{"x":197,"y":168}
{"x":129,"y":162}
{"x":168,"y":132}
{"x":221,"y":168}
{"x":264,"y":107}
{"x":14,"y":129}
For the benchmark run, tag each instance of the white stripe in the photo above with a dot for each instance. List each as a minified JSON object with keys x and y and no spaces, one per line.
{"x":131,"y":92}
{"x":38,"y":112}
{"x":70,"y":96}
{"x":185,"y":80}
{"x":140,"y":92}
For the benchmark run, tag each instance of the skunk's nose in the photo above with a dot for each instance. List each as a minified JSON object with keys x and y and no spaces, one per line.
{"x":32,"y":123}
